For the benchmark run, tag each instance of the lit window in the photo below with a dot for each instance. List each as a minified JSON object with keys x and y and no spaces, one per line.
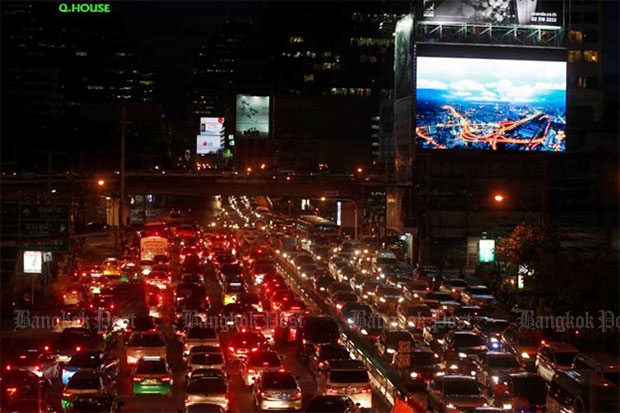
{"x":574,"y":56}
{"x":121,"y":54}
{"x":575,"y":36}
{"x":296,"y":39}
{"x":308,"y":78}
{"x":590,"y":56}
{"x":81,"y":54}
{"x":94,"y":87}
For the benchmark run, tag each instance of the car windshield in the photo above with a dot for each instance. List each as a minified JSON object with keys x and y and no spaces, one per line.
{"x":613,"y":376}
{"x":206,"y":358}
{"x":424,"y":358}
{"x":394,"y":338}
{"x":146,"y":340}
{"x":84,"y":383}
{"x":201,"y":333}
{"x":479,"y":291}
{"x":533,"y":388}
{"x":346,"y":297}
{"x":333,"y":352}
{"x":87,"y":360}
{"x":279,"y":381}
{"x":25,"y":359}
{"x":458,"y":283}
{"x":461,"y":388}
{"x":564,"y":358}
{"x":389,"y":291}
{"x":386,"y":260}
{"x":207,"y":386}
{"x":151,"y":367}
{"x":264,"y":359}
{"x":495,"y":326}
{"x":503,"y":362}
{"x":416,"y":285}
{"x":467,"y":340}
{"x":349,"y":376}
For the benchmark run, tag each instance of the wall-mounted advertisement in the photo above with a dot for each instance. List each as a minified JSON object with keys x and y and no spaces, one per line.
{"x":33,"y":262}
{"x":252,"y":116}
{"x":505,"y":12}
{"x":403,"y":73}
{"x":212,"y":127}
{"x":206,"y":144}
{"x":486,"y":250}
{"x":490,"y":104}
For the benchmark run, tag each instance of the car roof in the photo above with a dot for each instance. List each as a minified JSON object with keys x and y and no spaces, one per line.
{"x":560,"y":347}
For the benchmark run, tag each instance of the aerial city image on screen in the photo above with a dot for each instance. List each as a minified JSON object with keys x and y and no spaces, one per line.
{"x":489,"y":104}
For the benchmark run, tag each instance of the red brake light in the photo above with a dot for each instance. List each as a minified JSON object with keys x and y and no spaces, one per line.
{"x":231,"y":349}
{"x":254,"y":349}
{"x":166,"y":379}
{"x":543,"y":342}
{"x":46,"y":348}
{"x":251,"y":371}
{"x":137,"y":379}
{"x":78,"y":348}
{"x":66,"y":394}
{"x":11,"y":390}
{"x":367,"y":389}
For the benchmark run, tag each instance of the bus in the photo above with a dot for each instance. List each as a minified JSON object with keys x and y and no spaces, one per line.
{"x":156,"y":228}
{"x":313,"y":230}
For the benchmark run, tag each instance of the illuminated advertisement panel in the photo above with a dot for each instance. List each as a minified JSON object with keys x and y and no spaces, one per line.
{"x":212,"y":127}
{"x":499,"y":12}
{"x":490,"y":104}
{"x":206,"y":144}
{"x":252,"y":116}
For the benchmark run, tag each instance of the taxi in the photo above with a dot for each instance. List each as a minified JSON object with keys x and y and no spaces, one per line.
{"x":151,"y":375}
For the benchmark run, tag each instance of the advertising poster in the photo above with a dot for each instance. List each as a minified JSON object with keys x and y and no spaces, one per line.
{"x":206,"y":144}
{"x":212,"y":135}
{"x":403,"y":70}
{"x":252,"y":116}
{"x":490,"y":104}
{"x":501,"y":12}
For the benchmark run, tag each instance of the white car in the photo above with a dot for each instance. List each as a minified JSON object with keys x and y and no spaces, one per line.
{"x":258,"y":362}
{"x":143,"y":344}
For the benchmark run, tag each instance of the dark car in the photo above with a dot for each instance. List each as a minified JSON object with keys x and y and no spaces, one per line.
{"x":316,"y":330}
{"x":75,"y":339}
{"x":22,"y":384}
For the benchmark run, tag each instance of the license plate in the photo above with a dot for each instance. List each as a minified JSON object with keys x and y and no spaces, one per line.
{"x":150,"y":381}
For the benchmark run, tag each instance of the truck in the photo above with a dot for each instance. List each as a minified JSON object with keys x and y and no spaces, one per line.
{"x":152,"y":246}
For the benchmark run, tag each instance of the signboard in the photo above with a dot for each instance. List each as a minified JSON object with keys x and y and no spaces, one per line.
{"x":33,"y":262}
{"x":486,"y":250}
{"x":546,"y":13}
{"x":252,"y":116}
{"x":45,"y":220}
{"x":207,"y":144}
{"x":403,"y":71}
{"x":212,"y":135}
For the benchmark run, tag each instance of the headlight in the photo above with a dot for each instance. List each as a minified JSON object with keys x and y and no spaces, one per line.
{"x":495,"y":379}
{"x":382,"y":299}
{"x":401,"y":299}
{"x":450,"y":406}
{"x":414,"y":375}
{"x":495,"y":345}
{"x":411,"y":324}
{"x":507,"y":406}
{"x":364,"y":332}
{"x":350,"y":320}
{"x":439,"y":374}
{"x":440,"y":341}
{"x":453,"y":367}
{"x":493,"y":340}
{"x":394,"y":324}
{"x":391,"y":351}
{"x":415,"y":295}
{"x":473,"y":373}
{"x":462,"y":355}
{"x":303,"y":275}
{"x":146,"y":271}
{"x":525,"y":355}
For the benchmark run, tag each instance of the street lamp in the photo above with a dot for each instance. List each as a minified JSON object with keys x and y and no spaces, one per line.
{"x":499,"y":198}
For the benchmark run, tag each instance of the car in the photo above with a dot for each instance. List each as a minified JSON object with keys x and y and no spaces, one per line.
{"x":36,"y":361}
{"x":208,"y":386}
{"x":434,"y":334}
{"x":151,"y":375}
{"x":277,"y":390}
{"x":258,"y":362}
{"x":493,"y":367}
{"x":478,"y":295}
{"x":316,"y":330}
{"x":73,"y":317}
{"x":453,"y":286}
{"x":491,"y":329}
{"x":74,"y":296}
{"x":461,"y":344}
{"x":604,"y":364}
{"x":187,"y":290}
{"x":524,"y":342}
{"x":204,"y":408}
{"x":73,"y":340}
{"x":141,"y":344}
{"x":98,"y":360}
{"x":581,"y":391}
{"x":522,"y":392}
{"x":453,"y":393}
{"x":205,"y":357}
{"x":414,"y":316}
{"x":140,"y":323}
{"x":333,"y":404}
{"x":292,"y":308}
{"x":232,"y":287}
{"x":252,"y":300}
{"x":159,"y":279}
{"x":242,"y":344}
{"x":88,"y":382}
{"x":553,"y":357}
{"x":387,"y":298}
{"x":322,"y":283}
{"x":416,"y":290}
{"x":391,"y":342}
{"x":339,"y":299}
{"x":346,"y":377}
{"x":421,"y":365}
{"x":446,"y":302}
{"x":351,"y":311}
{"x":19,"y":384}
{"x":175,"y":213}
{"x":324,"y":352}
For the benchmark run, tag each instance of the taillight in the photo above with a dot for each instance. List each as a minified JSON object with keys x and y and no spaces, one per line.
{"x":66,"y":394}
{"x":11,"y":391}
{"x":231,"y":349}
{"x":332,"y":390}
{"x":254,"y":349}
{"x":166,"y":379}
{"x":297,"y":394}
{"x":137,"y":379}
{"x":367,"y":389}
{"x":78,"y":349}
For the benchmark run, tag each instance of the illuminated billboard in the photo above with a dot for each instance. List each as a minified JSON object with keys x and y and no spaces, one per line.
{"x":212,"y":135}
{"x":252,"y":116}
{"x":206,"y":144}
{"x":500,"y":12}
{"x":490,"y":104}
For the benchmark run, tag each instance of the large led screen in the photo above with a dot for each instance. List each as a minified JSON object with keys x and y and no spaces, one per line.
{"x":208,"y":144}
{"x":252,"y":116}
{"x":490,"y":104}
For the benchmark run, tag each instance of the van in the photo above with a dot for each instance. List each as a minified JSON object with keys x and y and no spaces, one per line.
{"x":604,"y":364}
{"x":347,"y":378}
{"x":572,"y":391}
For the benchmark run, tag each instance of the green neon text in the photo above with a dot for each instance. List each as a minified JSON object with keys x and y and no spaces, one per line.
{"x":84,"y":8}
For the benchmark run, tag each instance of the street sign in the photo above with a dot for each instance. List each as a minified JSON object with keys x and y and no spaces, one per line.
{"x":44,"y":220}
{"x":33,"y":261}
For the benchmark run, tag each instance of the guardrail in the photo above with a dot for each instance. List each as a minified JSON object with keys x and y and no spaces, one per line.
{"x":383,"y":379}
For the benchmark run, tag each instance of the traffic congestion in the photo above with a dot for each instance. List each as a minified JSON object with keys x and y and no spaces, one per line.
{"x":248,"y":309}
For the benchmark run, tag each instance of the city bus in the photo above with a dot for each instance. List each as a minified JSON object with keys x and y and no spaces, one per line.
{"x":313,"y":230}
